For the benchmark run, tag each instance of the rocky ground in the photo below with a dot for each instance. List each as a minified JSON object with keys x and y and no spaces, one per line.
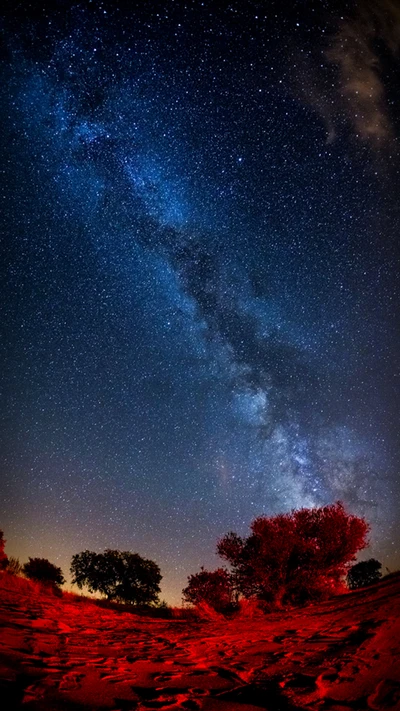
{"x":61,"y":653}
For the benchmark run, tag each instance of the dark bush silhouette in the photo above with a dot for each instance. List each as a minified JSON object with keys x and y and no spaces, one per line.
{"x":367,"y":572}
{"x":3,"y":555}
{"x":41,"y":570}
{"x":295,"y":557}
{"x":121,"y":576}
{"x":213,"y":587}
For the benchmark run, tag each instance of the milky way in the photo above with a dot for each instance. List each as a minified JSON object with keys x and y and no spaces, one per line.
{"x":199,"y":272}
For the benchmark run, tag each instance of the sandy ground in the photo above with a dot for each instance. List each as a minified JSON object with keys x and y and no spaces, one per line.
{"x":60,"y":654}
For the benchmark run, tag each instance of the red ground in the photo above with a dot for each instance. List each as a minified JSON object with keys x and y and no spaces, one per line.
{"x":74,"y":656}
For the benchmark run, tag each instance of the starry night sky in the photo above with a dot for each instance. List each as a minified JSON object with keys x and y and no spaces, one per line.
{"x":199,"y":273}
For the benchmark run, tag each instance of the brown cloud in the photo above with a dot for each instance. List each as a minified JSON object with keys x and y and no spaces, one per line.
{"x":354,"y":51}
{"x":343,"y":77}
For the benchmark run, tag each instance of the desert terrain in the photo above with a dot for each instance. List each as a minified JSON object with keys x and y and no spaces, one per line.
{"x":67,"y":654}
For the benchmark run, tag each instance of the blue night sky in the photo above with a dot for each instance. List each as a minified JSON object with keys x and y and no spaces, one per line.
{"x":199,"y":273}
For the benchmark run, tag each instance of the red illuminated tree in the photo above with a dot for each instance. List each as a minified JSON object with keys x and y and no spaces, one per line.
{"x":213,"y":587}
{"x":295,"y":557}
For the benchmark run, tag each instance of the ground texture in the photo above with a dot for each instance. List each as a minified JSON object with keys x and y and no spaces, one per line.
{"x":73,"y":656}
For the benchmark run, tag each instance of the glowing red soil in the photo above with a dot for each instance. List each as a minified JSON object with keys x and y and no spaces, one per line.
{"x":63,"y":654}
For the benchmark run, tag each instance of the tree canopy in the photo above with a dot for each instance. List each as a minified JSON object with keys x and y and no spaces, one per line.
{"x":213,"y":587}
{"x":119,"y":575}
{"x":297,"y":556}
{"x":367,"y":572}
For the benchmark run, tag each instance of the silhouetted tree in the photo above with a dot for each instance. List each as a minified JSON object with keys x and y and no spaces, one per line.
{"x":119,"y":575}
{"x":213,"y":587}
{"x":364,"y":573}
{"x":295,"y":557}
{"x":41,"y":570}
{"x":3,"y":555}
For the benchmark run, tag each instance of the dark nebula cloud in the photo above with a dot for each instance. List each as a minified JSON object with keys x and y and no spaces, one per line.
{"x":200,"y":273}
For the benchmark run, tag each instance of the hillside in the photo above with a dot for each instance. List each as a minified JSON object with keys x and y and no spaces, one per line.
{"x":59,"y":653}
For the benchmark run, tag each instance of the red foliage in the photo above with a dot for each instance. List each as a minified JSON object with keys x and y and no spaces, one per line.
{"x":297,"y":556}
{"x":211,"y":587}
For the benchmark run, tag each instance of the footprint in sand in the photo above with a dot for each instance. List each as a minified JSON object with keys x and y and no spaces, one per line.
{"x":117,"y":678}
{"x":386,"y":695}
{"x":226,"y":673}
{"x":166,"y":676}
{"x":197,"y":691}
{"x":70,"y":681}
{"x":154,"y":698}
{"x":33,"y":693}
{"x":158,"y":699}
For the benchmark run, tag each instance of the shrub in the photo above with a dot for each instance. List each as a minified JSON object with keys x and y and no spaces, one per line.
{"x":14,"y":566}
{"x":210,"y":588}
{"x":42,"y":571}
{"x":251,"y":608}
{"x":367,"y":572}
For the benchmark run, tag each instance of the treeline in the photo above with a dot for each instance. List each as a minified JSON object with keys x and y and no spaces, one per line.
{"x":120,"y":576}
{"x":288,"y":559}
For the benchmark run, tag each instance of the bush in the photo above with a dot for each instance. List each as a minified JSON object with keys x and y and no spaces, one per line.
{"x":14,"y":567}
{"x":213,"y":589}
{"x":296,"y":557}
{"x":367,"y":572}
{"x":249,"y":609}
{"x":42,"y":571}
{"x":120,"y":576}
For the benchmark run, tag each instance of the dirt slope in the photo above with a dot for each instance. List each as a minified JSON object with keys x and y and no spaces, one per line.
{"x":61,"y":654}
